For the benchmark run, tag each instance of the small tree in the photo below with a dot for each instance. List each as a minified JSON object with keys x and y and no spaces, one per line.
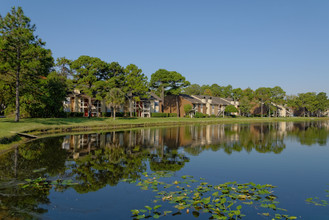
{"x":187,"y":109}
{"x":263,"y":95}
{"x":322,"y":103}
{"x":245,"y":106}
{"x":230,"y":109}
{"x":116,"y":98}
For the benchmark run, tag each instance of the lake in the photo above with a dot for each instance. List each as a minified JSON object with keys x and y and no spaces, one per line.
{"x":178,"y":172}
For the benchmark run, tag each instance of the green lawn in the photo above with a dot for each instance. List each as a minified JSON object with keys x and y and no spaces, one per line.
{"x":8,"y":127}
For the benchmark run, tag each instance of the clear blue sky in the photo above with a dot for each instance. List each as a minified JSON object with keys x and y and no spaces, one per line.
{"x":245,"y":43}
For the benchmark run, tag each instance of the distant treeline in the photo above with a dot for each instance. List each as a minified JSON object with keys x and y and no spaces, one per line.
{"x":251,"y":101}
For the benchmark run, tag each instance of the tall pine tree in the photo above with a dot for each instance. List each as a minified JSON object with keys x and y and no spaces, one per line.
{"x":22,"y":56}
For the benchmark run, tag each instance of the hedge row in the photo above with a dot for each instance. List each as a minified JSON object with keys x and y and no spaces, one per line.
{"x":200,"y":115}
{"x":163,"y":115}
{"x":8,"y":140}
{"x":71,"y":114}
{"x":117,"y":114}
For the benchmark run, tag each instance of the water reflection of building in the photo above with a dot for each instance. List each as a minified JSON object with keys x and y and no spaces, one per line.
{"x":256,"y":136}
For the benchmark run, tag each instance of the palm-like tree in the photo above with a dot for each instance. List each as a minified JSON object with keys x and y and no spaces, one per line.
{"x":116,"y":98}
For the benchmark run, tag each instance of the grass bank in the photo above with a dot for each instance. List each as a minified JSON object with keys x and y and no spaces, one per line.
{"x":45,"y":126}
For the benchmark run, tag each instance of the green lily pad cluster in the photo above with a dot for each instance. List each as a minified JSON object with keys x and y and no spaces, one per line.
{"x":44,"y":184}
{"x":191,"y":196}
{"x":317,"y":201}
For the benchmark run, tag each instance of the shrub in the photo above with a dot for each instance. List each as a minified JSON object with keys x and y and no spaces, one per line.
{"x":230,"y":109}
{"x":187,"y":108}
{"x":119,"y":114}
{"x":77,"y":114}
{"x":200,"y":115}
{"x":8,"y":140}
{"x":172,"y":114}
{"x":159,"y":115}
{"x":106,"y":114}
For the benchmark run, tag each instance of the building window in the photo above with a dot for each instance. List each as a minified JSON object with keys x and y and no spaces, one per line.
{"x":201,"y":108}
{"x":213,"y":109}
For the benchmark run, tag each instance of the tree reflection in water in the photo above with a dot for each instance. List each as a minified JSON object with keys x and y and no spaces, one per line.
{"x":98,"y":160}
{"x":20,"y":164}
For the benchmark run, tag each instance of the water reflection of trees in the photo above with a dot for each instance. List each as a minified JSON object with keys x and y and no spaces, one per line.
{"x":107,"y":166}
{"x":168,"y":161}
{"x":20,"y":164}
{"x":98,"y":160}
{"x":105,"y":159}
{"x":260,"y":137}
{"x":311,"y":133}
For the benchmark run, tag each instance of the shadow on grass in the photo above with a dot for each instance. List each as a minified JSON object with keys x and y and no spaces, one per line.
{"x":54,"y":121}
{"x":128,"y":118}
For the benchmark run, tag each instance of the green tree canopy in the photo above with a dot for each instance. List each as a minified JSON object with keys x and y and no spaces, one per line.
{"x":216,"y":90}
{"x":231,"y":109}
{"x":278,"y":95}
{"x":63,"y":67}
{"x":245,"y":106}
{"x":47,"y":100}
{"x":87,"y":71}
{"x":22,"y":59}
{"x":322,"y":102}
{"x":227,"y":91}
{"x":136,"y":85}
{"x":237,"y":94}
{"x":207,"y":92}
{"x":193,"y":89}
{"x":168,"y":82}
{"x":116,"y":75}
{"x":249,"y":93}
{"x":187,"y":108}
{"x":116,"y":98}
{"x":308,"y":102}
{"x":263,"y":95}
{"x":205,"y":88}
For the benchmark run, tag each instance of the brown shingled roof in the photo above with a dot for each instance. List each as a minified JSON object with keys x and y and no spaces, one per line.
{"x":191,"y":99}
{"x":215,"y":100}
{"x":154,"y":96}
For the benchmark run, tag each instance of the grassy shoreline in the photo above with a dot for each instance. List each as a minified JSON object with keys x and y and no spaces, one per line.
{"x":50,"y":126}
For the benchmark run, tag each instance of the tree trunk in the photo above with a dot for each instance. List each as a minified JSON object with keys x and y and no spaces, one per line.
{"x":177,"y":136}
{"x":261,"y":108}
{"x":269,"y":111}
{"x":177,"y":106}
{"x":162,"y":98}
{"x":130,"y":107}
{"x":17,"y":97}
{"x":17,"y":115}
{"x":15,"y":161}
{"x":89,"y":107}
{"x":114,"y":113}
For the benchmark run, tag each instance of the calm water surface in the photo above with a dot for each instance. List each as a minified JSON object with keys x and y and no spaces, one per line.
{"x":292,"y":156}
